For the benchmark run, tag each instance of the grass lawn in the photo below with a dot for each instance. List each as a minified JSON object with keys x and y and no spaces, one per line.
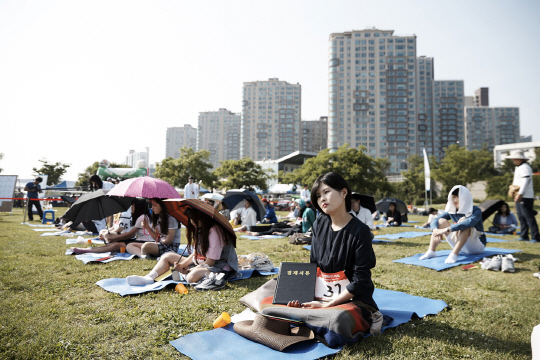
{"x":51,"y":307}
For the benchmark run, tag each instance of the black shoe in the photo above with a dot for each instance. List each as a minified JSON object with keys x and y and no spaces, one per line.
{"x":522,"y":239}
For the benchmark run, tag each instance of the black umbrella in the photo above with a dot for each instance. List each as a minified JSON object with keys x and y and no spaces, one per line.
{"x":236,"y":199}
{"x":70,"y":200}
{"x":97,"y":206}
{"x":384,"y":204}
{"x":489,"y":207}
{"x":365,"y":201}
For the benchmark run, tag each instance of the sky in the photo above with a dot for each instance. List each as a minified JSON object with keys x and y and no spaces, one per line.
{"x":82,"y":81}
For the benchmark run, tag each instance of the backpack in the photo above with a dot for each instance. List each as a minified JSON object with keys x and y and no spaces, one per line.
{"x":300,"y":239}
{"x":255,"y":261}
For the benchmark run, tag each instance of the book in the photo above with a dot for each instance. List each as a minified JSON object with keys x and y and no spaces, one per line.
{"x":296,"y":281}
{"x":164,"y":275}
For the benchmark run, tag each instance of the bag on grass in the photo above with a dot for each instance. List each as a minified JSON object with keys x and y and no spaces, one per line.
{"x":255,"y":261}
{"x":300,"y":239}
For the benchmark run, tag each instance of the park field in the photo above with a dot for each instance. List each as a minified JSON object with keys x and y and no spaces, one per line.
{"x":51,"y":307}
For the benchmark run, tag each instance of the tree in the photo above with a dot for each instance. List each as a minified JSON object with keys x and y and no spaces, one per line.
{"x":497,"y":186}
{"x":535,"y":164}
{"x":363,"y":174}
{"x":83,"y":178}
{"x":463,"y":167}
{"x":413,"y":187}
{"x":53,"y":171}
{"x":236,"y":174}
{"x":177,"y":171}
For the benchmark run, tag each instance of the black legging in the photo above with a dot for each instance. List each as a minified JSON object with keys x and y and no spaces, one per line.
{"x":285,"y":231}
{"x":88,"y":225}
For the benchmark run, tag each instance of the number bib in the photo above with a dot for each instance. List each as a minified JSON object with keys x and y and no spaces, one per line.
{"x":328,"y":286}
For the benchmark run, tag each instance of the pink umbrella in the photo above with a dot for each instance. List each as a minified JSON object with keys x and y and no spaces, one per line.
{"x":146,"y":187}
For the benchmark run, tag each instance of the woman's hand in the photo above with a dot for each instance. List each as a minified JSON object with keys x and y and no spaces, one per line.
{"x":179,"y":266}
{"x":314,"y":305}
{"x":145,"y":225}
{"x":294,"y":303}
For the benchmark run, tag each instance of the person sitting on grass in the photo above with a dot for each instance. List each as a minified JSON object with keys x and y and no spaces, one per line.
{"x":214,"y":252}
{"x":303,"y":223}
{"x":363,"y":214}
{"x":120,"y":237}
{"x":163,"y":229}
{"x":248,"y":216}
{"x":504,"y":222}
{"x":393,"y":216}
{"x":466,"y":234}
{"x":270,"y":216}
{"x":432,"y":215}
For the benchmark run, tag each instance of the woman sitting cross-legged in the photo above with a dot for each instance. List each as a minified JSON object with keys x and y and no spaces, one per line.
{"x":393,"y":216}
{"x":214,"y":252}
{"x":124,"y":234}
{"x":466,"y":234}
{"x":163,"y":229}
{"x":504,"y":222}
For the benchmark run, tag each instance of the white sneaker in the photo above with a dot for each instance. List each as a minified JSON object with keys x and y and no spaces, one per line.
{"x":537,"y":275}
{"x":507,"y":264}
{"x":495,"y":263}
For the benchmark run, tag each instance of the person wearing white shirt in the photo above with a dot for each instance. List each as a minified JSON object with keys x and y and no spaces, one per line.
{"x":305,"y":194}
{"x":248,"y":216}
{"x":191,"y":190}
{"x":363,"y":214}
{"x":524,"y":199}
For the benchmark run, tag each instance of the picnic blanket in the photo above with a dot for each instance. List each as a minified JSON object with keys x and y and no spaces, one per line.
{"x":407,"y":234}
{"x":437,"y":263}
{"x":250,"y":237}
{"x":38,"y":225}
{"x":400,"y":307}
{"x":120,"y":286}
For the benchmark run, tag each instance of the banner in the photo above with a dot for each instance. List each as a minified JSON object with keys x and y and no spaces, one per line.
{"x":427,"y":171}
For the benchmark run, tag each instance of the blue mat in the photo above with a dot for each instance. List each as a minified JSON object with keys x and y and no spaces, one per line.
{"x":437,"y":263}
{"x":412,"y":222}
{"x":262,"y":237}
{"x":408,"y":234}
{"x":120,"y":286}
{"x":86,"y":258}
{"x":495,"y":240}
{"x":202,"y":346}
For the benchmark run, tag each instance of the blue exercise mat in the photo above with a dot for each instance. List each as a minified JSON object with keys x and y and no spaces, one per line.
{"x":262,"y":237}
{"x":495,"y":240}
{"x":412,"y":222}
{"x":437,"y":263}
{"x":202,"y":346}
{"x":408,"y":235}
{"x":120,"y":286}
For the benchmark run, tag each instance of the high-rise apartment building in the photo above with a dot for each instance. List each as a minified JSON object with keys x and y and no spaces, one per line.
{"x":373,"y":94}
{"x":178,"y":137}
{"x":449,"y":126}
{"x":132,"y":160}
{"x":481,"y":97}
{"x":219,"y":133}
{"x":425,"y":73}
{"x":314,"y":134}
{"x":271,"y":113}
{"x":490,"y":126}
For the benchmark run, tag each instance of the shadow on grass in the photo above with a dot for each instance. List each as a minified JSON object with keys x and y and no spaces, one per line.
{"x":459,"y":342}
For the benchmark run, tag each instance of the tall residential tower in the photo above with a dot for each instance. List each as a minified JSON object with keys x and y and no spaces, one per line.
{"x":178,"y":137}
{"x":219,"y":133}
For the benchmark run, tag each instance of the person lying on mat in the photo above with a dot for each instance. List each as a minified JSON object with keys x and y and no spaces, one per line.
{"x":163,"y":229}
{"x":393,"y":216}
{"x":466,"y":234}
{"x":214,"y":252}
{"x":248,"y":216}
{"x":432,"y":215}
{"x":120,"y":237}
{"x":341,"y":245}
{"x":504,"y":222}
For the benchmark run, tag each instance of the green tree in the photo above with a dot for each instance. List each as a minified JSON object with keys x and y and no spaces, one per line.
{"x":364,"y":174}
{"x":413,"y":187}
{"x":83,"y":177}
{"x":535,"y":164}
{"x":463,"y":167}
{"x":236,"y":174}
{"x":195,"y":163}
{"x":497,"y":186}
{"x":54,"y":171}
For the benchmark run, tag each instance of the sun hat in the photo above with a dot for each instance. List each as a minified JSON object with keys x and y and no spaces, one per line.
{"x":517,"y":154}
{"x":276,"y":334}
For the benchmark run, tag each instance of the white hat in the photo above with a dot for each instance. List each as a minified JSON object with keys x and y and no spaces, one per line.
{"x":517,"y":154}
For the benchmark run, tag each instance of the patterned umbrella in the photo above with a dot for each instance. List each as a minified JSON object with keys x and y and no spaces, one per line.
{"x":177,"y":207}
{"x":146,"y":187}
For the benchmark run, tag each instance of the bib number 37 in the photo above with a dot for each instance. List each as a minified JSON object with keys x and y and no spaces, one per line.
{"x":330,"y":285}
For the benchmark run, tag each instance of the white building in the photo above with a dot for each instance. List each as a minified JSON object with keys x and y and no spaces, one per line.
{"x":501,"y":151}
{"x":133,"y":158}
{"x":219,"y":133}
{"x":270,"y":125}
{"x":178,"y":137}
{"x":286,"y":164}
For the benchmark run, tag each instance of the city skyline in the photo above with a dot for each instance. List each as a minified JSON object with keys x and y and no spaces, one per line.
{"x":128,"y":69}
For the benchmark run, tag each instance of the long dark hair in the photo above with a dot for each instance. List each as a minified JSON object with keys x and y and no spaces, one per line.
{"x":141,"y":208}
{"x":162,"y":218}
{"x":507,"y":210}
{"x":336,"y":182}
{"x":95,"y":179}
{"x":197,"y":236}
{"x":390,"y":212}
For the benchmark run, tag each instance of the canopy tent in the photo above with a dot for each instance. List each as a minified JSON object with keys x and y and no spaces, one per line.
{"x":66,"y":184}
{"x":284,"y":189}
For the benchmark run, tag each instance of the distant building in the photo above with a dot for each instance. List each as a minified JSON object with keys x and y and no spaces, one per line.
{"x":491,"y":126}
{"x":481,"y":97}
{"x":133,"y":158}
{"x":219,"y":133}
{"x":178,"y":137}
{"x":286,"y":164}
{"x":501,"y":151}
{"x":525,"y":138}
{"x":314,"y":134}
{"x":271,"y":113}
{"x":425,"y":130}
{"x":448,"y":115}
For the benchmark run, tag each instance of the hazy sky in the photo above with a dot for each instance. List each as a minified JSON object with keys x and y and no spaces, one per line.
{"x":82,"y":81}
